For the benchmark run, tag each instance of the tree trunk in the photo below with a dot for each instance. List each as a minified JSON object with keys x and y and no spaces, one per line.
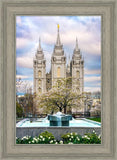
{"x":65,"y":110}
{"x":60,"y":109}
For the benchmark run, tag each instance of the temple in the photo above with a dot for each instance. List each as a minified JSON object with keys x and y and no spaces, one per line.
{"x":43,"y":81}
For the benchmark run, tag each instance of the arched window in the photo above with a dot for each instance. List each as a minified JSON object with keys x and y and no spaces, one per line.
{"x":39,"y":82}
{"x":39,"y":74}
{"x":77,"y":74}
{"x":58,"y":72}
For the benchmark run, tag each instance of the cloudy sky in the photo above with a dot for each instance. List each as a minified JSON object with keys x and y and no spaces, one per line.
{"x":87,"y":29}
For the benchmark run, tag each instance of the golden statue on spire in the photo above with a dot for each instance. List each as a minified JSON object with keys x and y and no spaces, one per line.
{"x":58,"y":26}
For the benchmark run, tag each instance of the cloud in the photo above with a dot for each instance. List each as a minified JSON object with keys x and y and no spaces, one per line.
{"x":26,"y":62}
{"x":92,"y":89}
{"x":18,"y":21}
{"x":92,"y":78}
{"x":87,"y":44}
{"x":21,"y":76}
{"x":91,"y":72}
{"x":22,"y":42}
{"x":45,"y":27}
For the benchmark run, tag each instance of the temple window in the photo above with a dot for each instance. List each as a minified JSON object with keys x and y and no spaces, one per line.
{"x":77,"y":74}
{"x":39,"y":74}
{"x":58,"y":71}
{"x":39,"y":82}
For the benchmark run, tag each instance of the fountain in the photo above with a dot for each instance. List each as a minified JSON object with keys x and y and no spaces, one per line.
{"x":57,"y":123}
{"x":59,"y":119}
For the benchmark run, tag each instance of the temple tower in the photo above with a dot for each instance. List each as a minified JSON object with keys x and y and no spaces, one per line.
{"x":58,"y":61}
{"x":39,"y":66}
{"x":77,"y":70}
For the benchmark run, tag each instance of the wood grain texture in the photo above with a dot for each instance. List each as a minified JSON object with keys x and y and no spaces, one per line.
{"x":108,"y":11}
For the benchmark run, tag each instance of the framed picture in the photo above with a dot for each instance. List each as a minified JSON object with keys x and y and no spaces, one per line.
{"x":66,"y":81}
{"x":58,"y":72}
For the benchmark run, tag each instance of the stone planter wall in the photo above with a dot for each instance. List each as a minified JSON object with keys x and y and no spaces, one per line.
{"x":56,"y":131}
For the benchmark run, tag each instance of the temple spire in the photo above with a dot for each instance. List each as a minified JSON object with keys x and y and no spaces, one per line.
{"x":58,"y":42}
{"x":76,"y":48}
{"x":39,"y":48}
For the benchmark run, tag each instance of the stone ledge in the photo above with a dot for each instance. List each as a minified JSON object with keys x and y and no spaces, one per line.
{"x":56,"y":131}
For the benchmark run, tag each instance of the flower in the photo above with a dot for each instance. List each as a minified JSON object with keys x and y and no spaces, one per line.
{"x":33,"y":141}
{"x":70,"y":143}
{"x":72,"y":137}
{"x":61,"y":142}
{"x":51,"y":141}
{"x":71,"y":133}
{"x":78,"y":139}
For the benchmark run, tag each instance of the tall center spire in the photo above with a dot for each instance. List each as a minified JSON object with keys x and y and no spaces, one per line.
{"x":76,"y":48}
{"x":39,"y":48}
{"x":58,"y":42}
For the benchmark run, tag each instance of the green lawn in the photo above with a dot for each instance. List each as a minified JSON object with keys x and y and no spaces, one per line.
{"x":95,"y":119}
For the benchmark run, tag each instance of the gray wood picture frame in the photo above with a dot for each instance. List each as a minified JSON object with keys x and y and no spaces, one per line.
{"x":107,"y":9}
